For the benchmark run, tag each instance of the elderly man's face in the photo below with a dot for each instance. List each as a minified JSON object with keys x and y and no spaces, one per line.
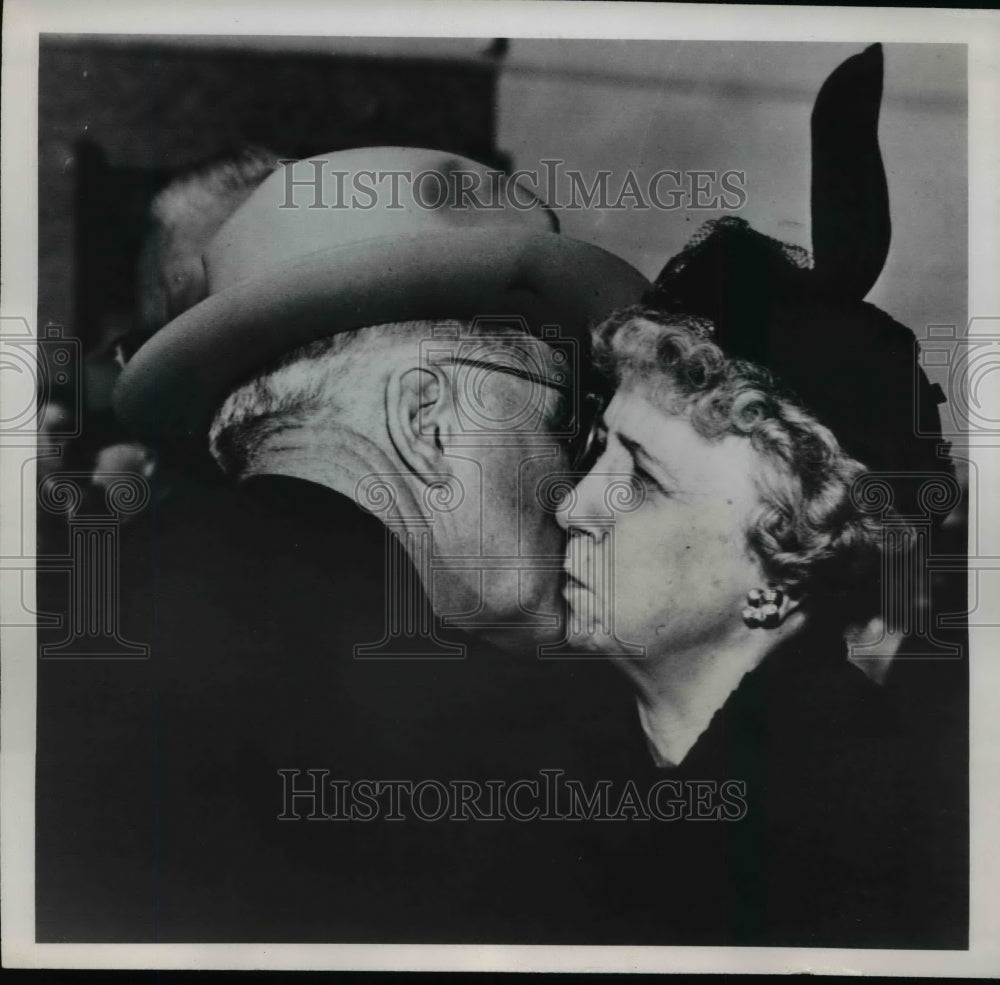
{"x":503,"y":546}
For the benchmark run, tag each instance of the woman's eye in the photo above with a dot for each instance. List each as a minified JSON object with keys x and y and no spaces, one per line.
{"x":640,"y":478}
{"x":645,"y":481}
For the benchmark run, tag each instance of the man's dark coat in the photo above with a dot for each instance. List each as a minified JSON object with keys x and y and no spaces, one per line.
{"x":159,"y":791}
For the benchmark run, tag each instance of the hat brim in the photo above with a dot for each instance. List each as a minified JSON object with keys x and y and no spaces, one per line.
{"x":175,"y":383}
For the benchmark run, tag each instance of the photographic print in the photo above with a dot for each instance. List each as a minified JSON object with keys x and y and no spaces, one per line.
{"x":480,"y":489}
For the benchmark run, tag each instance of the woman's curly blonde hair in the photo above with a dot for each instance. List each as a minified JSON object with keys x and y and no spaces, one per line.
{"x":809,"y":535}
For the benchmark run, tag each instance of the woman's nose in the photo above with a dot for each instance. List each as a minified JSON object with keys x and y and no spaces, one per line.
{"x":585,"y":501}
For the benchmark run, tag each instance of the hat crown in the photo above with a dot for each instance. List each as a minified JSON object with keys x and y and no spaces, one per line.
{"x":348,"y":197}
{"x":466,"y":244}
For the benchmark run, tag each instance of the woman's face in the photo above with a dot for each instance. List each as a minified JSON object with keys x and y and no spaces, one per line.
{"x":657,"y":553}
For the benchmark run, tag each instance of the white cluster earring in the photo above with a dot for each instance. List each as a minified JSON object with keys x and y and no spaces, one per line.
{"x":762,"y":607}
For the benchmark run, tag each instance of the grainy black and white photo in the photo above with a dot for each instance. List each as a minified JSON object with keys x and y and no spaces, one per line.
{"x":501,"y":491}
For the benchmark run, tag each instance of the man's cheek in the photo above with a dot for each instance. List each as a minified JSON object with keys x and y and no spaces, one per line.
{"x":536,"y":502}
{"x":549,"y":539}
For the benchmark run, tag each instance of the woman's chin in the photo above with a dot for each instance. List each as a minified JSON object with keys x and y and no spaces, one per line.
{"x":585,"y":628}
{"x":586,"y":634}
{"x":583,"y":641}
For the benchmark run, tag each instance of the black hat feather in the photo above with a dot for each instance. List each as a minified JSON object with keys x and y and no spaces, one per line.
{"x":804,"y":318}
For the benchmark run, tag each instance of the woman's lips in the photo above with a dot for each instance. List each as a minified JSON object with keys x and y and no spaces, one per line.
{"x":582,"y":559}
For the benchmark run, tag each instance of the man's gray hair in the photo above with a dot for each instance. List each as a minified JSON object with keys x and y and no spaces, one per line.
{"x":318,"y":378}
{"x":324,"y":380}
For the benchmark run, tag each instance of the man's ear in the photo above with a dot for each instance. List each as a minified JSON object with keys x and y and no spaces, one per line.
{"x":418,"y":417}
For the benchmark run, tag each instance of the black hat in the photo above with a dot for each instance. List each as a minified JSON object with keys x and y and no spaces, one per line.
{"x":804,"y":317}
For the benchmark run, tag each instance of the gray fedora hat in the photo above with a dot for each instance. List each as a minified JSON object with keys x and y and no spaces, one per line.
{"x":328,"y":245}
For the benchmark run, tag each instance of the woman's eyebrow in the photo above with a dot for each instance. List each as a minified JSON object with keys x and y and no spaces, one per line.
{"x":631,"y":445}
{"x":638,"y":450}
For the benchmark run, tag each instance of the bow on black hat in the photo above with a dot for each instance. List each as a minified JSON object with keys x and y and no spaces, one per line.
{"x":851,"y":364}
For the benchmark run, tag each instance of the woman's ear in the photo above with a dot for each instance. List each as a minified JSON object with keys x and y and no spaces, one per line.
{"x":790,"y":602}
{"x":418,"y":419}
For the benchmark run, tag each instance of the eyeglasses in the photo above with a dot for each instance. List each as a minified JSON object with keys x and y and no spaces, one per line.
{"x":584,"y":427}
{"x":524,"y":374}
